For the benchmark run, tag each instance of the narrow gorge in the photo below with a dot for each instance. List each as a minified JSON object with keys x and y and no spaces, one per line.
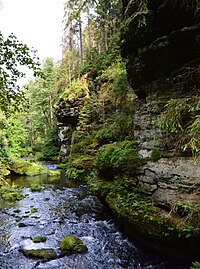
{"x":161,"y":49}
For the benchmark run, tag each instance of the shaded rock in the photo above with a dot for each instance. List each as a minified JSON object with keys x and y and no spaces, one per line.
{"x":39,"y":239}
{"x":21,"y":225}
{"x":167,"y":40}
{"x":43,"y":253}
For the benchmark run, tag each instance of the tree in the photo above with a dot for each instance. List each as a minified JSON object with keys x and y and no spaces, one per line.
{"x":13,"y":55}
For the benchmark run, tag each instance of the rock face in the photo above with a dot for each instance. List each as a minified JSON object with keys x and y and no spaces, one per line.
{"x":167,"y":39}
{"x":161,"y":46}
{"x":67,"y":113}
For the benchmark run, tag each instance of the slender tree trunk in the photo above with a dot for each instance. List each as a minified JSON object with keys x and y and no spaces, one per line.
{"x":89,"y":34}
{"x":81,"y":39}
{"x":71,"y":35}
{"x":51,"y":112}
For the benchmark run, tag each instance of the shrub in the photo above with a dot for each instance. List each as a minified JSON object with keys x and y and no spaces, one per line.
{"x":103,"y":160}
{"x":113,"y":159}
{"x":195,"y":265}
{"x":125,"y":158}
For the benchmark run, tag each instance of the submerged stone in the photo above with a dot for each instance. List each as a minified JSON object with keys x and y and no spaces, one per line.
{"x":44,"y":253}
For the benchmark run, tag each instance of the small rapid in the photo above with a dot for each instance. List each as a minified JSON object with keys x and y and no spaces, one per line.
{"x":63,"y":208}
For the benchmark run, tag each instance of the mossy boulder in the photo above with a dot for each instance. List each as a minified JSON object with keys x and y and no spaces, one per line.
{"x":39,"y":239}
{"x":28,"y":168}
{"x":10,"y":194}
{"x":54,"y":173}
{"x":72,"y":245}
{"x":36,"y":187}
{"x":44,"y":253}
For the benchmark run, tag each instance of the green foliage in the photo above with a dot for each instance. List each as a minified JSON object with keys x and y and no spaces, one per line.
{"x":98,"y":186}
{"x":195,"y":265}
{"x":119,"y":127}
{"x":191,"y":218}
{"x":155,"y":154}
{"x":131,"y":201}
{"x":142,"y":9}
{"x":74,"y":173}
{"x":125,"y":158}
{"x":16,"y":135}
{"x":3,"y":152}
{"x":13,"y":55}
{"x":115,"y":159}
{"x":103,"y":160}
{"x":39,"y":120}
{"x":50,"y":147}
{"x":34,"y":210}
{"x":181,"y":116}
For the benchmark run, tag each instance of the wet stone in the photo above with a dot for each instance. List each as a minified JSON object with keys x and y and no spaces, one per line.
{"x":21,"y":225}
{"x":43,"y":253}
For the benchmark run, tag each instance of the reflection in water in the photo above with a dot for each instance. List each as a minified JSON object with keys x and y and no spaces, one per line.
{"x":62,"y":209}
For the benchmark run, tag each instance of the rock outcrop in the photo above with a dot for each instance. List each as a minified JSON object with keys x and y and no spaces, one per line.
{"x":161,"y":47}
{"x":67,"y":113}
{"x":159,"y":39}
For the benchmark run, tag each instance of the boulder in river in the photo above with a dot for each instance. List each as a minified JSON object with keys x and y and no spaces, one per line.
{"x":43,"y":253}
{"x":71,"y":245}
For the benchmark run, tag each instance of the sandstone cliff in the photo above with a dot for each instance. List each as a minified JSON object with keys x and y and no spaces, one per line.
{"x":162,"y":57}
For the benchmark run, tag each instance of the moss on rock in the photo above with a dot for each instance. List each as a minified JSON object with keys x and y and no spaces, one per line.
{"x":39,"y":239}
{"x":27,"y":168}
{"x":36,"y":187}
{"x":10,"y":194}
{"x":72,"y":244}
{"x":53,"y":173}
{"x":45,"y":253}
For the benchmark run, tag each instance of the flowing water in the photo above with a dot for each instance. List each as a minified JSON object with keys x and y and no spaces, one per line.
{"x":61,"y":208}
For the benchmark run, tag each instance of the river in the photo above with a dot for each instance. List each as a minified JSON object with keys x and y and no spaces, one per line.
{"x":63,"y":207}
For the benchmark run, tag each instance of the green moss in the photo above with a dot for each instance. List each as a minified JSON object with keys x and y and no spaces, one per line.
{"x":33,"y":210}
{"x":72,"y":244}
{"x":39,"y":239}
{"x":36,"y":187}
{"x":11,"y":194}
{"x":53,"y":173}
{"x":46,"y":254}
{"x":27,"y":168}
{"x":155,"y":154}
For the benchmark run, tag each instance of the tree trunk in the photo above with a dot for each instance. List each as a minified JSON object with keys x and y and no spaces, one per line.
{"x":81,"y":39}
